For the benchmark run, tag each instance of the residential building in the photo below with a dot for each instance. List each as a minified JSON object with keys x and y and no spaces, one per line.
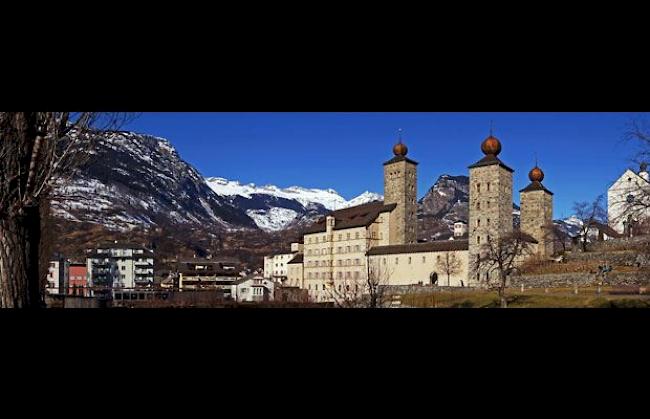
{"x":57,"y":275}
{"x":78,"y":279}
{"x":460,"y":228}
{"x":120,"y":265}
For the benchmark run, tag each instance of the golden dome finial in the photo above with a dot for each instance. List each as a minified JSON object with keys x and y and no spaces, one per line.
{"x":400,"y":149}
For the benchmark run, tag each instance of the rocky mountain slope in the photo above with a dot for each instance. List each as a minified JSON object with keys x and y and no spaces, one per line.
{"x":135,"y":180}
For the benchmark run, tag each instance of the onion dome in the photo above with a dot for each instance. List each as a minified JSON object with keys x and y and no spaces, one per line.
{"x":400,"y":149}
{"x":491,"y":146}
{"x":536,"y":174}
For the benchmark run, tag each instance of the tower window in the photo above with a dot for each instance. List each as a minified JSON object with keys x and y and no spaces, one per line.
{"x":478,"y":187}
{"x":478,"y":239}
{"x":478,"y":222}
{"x":478,"y":205}
{"x":488,"y":186}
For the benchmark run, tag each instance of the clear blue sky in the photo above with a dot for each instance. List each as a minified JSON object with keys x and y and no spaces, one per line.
{"x":580,"y":153}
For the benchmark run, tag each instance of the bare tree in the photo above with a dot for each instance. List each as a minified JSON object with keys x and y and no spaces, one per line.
{"x":450,"y":265}
{"x":556,"y":236}
{"x":501,"y":256}
{"x":590,"y":215}
{"x":630,"y":201}
{"x":38,"y":150}
{"x":369,"y":292}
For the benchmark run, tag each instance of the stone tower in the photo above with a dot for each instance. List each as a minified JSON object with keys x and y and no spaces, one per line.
{"x":400,"y":187}
{"x":490,"y":202}
{"x":537,"y":212}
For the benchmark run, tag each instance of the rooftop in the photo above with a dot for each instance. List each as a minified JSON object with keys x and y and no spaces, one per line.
{"x":358,"y":216}
{"x":297,"y":259}
{"x":490,"y":160}
{"x":536,"y":186}
{"x":434,"y":246}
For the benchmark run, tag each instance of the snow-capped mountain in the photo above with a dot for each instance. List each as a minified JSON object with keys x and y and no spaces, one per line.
{"x":571,"y":225}
{"x":133,"y":180}
{"x":274,"y":208}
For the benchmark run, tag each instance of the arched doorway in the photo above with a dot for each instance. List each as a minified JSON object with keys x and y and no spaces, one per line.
{"x":434,"y":278}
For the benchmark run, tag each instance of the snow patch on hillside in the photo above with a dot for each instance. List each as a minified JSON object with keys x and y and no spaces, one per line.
{"x":273,"y":219}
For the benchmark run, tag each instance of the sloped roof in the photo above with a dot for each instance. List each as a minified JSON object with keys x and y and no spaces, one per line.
{"x":358,"y":216}
{"x":606,"y":229}
{"x":490,"y":160}
{"x":536,"y":186}
{"x":297,"y":259}
{"x":434,"y":246}
{"x":400,"y":158}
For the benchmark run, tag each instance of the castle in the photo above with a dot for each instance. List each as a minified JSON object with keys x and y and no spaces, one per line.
{"x":341,"y":250}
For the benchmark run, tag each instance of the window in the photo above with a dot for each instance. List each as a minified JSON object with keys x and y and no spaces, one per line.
{"x":488,"y":186}
{"x":357,"y":262}
{"x":339,"y":249}
{"x":409,"y":260}
{"x":478,"y":187}
{"x":317,"y":275}
{"x":478,"y":205}
{"x":323,"y":287}
{"x":438,"y":258}
{"x":488,"y":221}
{"x":478,"y":239}
{"x":347,"y":249}
{"x":340,"y":275}
{"x":123,"y":276}
{"x":356,"y":275}
{"x":384,"y":261}
{"x":340,"y":262}
{"x":347,"y":274}
{"x":357,"y":248}
{"x":478,"y":222}
{"x":356,"y":235}
{"x":348,"y":236}
{"x":123,"y":267}
{"x":347,"y":262}
{"x":396,"y":261}
{"x":340,"y":237}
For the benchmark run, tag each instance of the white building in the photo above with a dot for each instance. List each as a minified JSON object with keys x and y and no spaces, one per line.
{"x":253,"y":288}
{"x":120,"y":265}
{"x":460,"y":228}
{"x":57,"y":276}
{"x":628,"y":200}
{"x":275,"y":266}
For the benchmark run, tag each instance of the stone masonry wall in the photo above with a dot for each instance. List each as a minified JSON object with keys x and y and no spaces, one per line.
{"x":490,"y":208}
{"x":536,"y":213}
{"x":400,"y":187}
